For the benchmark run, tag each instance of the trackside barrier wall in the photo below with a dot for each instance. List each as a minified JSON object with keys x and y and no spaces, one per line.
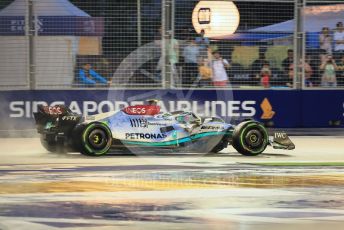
{"x":285,"y":108}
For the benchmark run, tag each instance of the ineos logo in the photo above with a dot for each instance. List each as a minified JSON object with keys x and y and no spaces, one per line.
{"x":136,"y":110}
{"x":53,"y":110}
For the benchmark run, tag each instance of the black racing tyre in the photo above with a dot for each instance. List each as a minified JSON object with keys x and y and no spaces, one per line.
{"x":250,"y":138}
{"x":52,"y":146}
{"x":96,"y":139}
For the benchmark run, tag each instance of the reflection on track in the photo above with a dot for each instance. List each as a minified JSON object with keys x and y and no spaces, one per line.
{"x":190,"y":195}
{"x":44,"y":191}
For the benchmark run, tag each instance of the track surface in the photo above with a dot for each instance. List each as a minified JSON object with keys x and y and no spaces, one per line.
{"x":39,"y":190}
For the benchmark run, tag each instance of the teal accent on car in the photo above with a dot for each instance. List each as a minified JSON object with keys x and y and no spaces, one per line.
{"x":175,"y":142}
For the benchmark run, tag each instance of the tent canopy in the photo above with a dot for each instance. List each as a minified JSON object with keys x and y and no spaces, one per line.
{"x":315,"y":18}
{"x":43,"y":8}
{"x":253,"y":36}
{"x":59,"y":27}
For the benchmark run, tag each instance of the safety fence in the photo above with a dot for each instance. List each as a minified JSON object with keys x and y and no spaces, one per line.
{"x":163,"y":44}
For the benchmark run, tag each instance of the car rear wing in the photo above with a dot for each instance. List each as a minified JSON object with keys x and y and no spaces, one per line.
{"x":53,"y":115}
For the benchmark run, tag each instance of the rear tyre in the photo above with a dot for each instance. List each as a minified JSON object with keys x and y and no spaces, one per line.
{"x":250,"y":138}
{"x":52,"y":145}
{"x":96,"y":139}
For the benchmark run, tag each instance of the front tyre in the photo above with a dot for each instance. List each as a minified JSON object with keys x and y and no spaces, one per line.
{"x":250,"y":138}
{"x":96,"y":139}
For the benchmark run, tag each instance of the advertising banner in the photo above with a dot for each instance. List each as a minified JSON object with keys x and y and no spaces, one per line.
{"x":322,"y":107}
{"x":54,"y":26}
{"x":12,"y":25}
{"x":284,"y":108}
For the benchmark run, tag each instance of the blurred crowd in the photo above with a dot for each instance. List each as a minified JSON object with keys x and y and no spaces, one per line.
{"x":332,"y":56}
{"x":198,"y":63}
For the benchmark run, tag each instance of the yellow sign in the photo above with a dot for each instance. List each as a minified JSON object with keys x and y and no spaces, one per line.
{"x":267,"y":109}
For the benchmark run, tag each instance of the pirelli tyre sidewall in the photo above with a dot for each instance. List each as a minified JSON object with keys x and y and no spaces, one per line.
{"x":250,"y":138}
{"x":96,"y":139}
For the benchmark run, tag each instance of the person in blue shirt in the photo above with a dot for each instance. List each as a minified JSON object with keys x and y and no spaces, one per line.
{"x":191,"y":55}
{"x":202,"y":40}
{"x":87,"y":76}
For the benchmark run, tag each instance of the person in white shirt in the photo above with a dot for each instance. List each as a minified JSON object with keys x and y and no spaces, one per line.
{"x":338,"y":39}
{"x":325,"y":40}
{"x":219,"y":65}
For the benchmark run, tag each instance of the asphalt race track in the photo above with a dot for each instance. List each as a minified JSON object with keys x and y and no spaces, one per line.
{"x":300,"y":189}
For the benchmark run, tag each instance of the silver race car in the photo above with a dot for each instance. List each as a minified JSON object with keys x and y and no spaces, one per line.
{"x":144,"y":127}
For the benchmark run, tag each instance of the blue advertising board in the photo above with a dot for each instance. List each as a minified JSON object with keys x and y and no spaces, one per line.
{"x":285,"y":108}
{"x":54,"y":26}
{"x":12,"y":25}
{"x":70,"y":25}
{"x":319,"y":107}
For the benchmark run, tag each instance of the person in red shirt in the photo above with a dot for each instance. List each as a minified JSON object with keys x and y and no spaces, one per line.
{"x":265,"y":75}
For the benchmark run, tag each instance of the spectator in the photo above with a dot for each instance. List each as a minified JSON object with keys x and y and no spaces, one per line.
{"x":329,"y":68}
{"x":172,"y":53}
{"x":340,"y":68}
{"x":257,"y":66}
{"x":339,"y":41}
{"x":318,"y":60}
{"x":202,"y":41}
{"x":104,"y":68}
{"x":323,"y":56}
{"x":290,"y":77}
{"x":304,"y":65}
{"x":288,"y":61}
{"x":325,"y":40}
{"x":265,"y":75}
{"x":220,"y":77}
{"x":88,"y":76}
{"x":205,"y":73}
{"x":191,"y":54}
{"x":205,"y":69}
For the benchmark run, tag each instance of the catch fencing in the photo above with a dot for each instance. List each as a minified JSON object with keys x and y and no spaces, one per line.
{"x":138,"y":44}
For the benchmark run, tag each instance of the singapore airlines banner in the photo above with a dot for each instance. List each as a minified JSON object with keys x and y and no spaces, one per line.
{"x":284,"y":108}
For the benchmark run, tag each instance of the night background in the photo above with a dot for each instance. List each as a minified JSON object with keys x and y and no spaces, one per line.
{"x":121,"y":18}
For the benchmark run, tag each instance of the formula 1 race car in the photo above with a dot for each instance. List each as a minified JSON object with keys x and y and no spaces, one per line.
{"x":145,"y":127}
